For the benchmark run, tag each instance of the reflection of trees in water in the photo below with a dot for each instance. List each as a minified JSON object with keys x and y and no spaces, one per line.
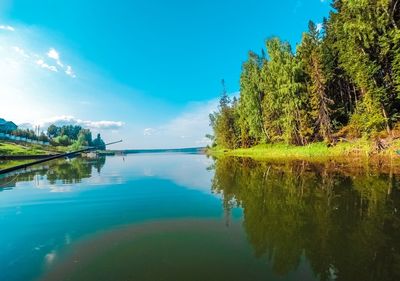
{"x":74,"y":171}
{"x":347,"y":224}
{"x":68,"y":172}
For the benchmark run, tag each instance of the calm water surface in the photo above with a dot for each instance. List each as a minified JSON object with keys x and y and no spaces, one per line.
{"x":188,"y":217}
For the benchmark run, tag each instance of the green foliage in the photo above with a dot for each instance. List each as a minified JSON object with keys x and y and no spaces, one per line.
{"x":99,"y":143}
{"x":71,"y":131}
{"x":79,"y":143}
{"x":224,"y":122}
{"x":53,"y":131}
{"x":250,"y":102}
{"x":344,"y":77}
{"x":311,"y":57}
{"x":85,"y":137}
{"x":29,"y":134}
{"x":70,"y":135}
{"x":284,"y":94}
{"x":368,"y":118}
{"x":62,"y":140}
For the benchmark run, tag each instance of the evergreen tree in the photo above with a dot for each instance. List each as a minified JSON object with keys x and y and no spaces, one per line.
{"x":224,"y":122}
{"x":250,"y":101}
{"x":284,"y":94}
{"x":344,"y":80}
{"x":310,"y":55}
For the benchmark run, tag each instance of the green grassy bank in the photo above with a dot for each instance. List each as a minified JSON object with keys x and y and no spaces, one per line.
{"x":315,"y":151}
{"x":11,"y":148}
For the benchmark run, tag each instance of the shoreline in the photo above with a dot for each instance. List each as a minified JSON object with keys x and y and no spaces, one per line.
{"x":314,"y":152}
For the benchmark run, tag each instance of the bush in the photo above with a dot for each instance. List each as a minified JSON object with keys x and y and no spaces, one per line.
{"x":62,"y":140}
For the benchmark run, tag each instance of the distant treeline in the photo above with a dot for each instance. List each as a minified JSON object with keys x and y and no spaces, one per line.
{"x":342,"y":81}
{"x":67,"y":135}
{"x":73,"y":135}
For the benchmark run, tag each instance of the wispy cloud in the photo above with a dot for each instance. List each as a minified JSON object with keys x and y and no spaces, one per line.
{"x":185,"y":130}
{"x":53,"y":54}
{"x":71,"y":120}
{"x":70,"y":72}
{"x":103,"y":125}
{"x":20,"y":51}
{"x":7,"y":27}
{"x":42,"y":64}
{"x":51,"y":60}
{"x":149,"y":131}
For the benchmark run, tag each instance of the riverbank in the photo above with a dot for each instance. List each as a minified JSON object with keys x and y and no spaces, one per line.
{"x":312,"y":152}
{"x":24,"y":149}
{"x":15,"y":154}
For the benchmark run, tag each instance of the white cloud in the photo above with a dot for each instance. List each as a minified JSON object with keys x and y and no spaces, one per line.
{"x":53,"y":54}
{"x":42,"y":60}
{"x":20,"y":51}
{"x":71,"y":120}
{"x":70,"y":72}
{"x":7,"y":27}
{"x":33,"y":84}
{"x":42,"y":64}
{"x":177,"y":169}
{"x":149,"y":131}
{"x":103,"y":125}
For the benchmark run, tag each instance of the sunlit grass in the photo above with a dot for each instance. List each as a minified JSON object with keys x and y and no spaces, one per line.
{"x":13,"y":149}
{"x":316,"y":151}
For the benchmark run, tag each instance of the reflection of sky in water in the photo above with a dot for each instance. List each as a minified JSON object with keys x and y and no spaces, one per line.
{"x":39,"y":220}
{"x":188,"y":170}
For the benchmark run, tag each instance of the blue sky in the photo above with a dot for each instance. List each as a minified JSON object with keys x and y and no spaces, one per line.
{"x":148,"y":72}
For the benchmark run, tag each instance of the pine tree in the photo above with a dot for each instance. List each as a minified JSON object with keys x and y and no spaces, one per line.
{"x":309,"y":53}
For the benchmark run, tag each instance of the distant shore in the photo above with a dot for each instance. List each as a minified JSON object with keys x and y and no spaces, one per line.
{"x":160,"y":150}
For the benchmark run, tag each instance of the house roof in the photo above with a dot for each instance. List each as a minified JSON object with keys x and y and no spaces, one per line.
{"x":4,"y":123}
{"x":10,"y":123}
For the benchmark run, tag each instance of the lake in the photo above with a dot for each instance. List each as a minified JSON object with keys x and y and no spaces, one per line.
{"x":176,"y":216}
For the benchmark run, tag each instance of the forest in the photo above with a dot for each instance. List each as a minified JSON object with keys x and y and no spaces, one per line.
{"x":342,"y":82}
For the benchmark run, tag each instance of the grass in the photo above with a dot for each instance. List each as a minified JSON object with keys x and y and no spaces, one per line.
{"x":316,"y":151}
{"x":11,"y":148}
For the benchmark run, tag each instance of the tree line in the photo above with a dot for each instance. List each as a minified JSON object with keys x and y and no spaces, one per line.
{"x":342,"y":81}
{"x":73,"y":135}
{"x":30,"y":134}
{"x":66,"y":135}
